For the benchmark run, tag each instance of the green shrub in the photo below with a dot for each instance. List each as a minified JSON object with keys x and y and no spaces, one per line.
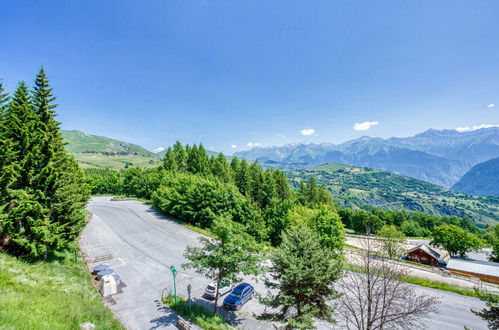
{"x":196,"y":313}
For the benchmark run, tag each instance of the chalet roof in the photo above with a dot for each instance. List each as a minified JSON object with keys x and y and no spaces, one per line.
{"x":426,"y":249}
{"x":474,"y":266}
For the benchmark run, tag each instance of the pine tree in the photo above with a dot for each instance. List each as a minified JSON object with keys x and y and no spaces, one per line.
{"x":197,"y":160}
{"x":19,"y":129}
{"x":68,"y":202}
{"x":303,"y":273}
{"x":234,"y":166}
{"x":57,"y":178}
{"x":283,"y":190}
{"x":48,"y":139}
{"x":221,"y":168}
{"x":4,"y":98}
{"x":180,"y":156}
{"x":170,"y":161}
{"x":243,"y":178}
{"x":26,"y":220}
{"x":203,"y":159}
{"x":8,"y":166}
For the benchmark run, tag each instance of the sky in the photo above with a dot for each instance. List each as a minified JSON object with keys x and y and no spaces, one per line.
{"x":238,"y":74}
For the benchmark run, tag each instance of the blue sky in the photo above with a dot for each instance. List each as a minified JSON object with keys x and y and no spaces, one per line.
{"x":231,"y":73}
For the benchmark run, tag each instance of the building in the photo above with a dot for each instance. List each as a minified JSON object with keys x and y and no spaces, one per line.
{"x":423,"y":254}
{"x":484,"y":270}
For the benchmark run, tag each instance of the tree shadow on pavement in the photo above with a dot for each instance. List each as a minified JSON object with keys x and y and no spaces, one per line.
{"x":170,"y":317}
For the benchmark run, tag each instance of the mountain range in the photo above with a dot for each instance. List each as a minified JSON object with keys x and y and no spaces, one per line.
{"x":441,"y":157}
{"x":482,"y":179}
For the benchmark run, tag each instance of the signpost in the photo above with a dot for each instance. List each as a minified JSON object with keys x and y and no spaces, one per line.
{"x":174,"y":272}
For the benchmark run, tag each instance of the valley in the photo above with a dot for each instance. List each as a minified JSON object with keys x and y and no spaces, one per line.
{"x":359,"y":187}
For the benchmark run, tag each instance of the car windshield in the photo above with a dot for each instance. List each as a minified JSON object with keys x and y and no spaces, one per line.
{"x":237,"y":293}
{"x":210,"y":287}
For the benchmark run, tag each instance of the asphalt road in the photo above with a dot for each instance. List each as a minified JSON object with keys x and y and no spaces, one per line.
{"x":141,"y":245}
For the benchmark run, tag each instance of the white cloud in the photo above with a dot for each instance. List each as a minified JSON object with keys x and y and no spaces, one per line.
{"x":474,"y":128}
{"x":233,"y":146}
{"x":491,"y":106}
{"x":253,"y":144}
{"x":307,"y":131}
{"x":158,"y":149}
{"x":280,"y":135}
{"x":365,"y":125}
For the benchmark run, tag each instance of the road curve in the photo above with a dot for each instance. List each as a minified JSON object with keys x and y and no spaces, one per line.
{"x":142,"y":245}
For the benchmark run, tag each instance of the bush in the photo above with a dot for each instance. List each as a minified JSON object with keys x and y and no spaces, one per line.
{"x":196,"y":313}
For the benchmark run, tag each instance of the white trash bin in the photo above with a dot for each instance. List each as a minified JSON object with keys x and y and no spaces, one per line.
{"x":107,"y":285}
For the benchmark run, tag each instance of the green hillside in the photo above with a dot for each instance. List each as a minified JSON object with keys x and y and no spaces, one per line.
{"x":482,"y":179}
{"x":80,"y":142}
{"x":92,"y":151}
{"x":358,"y":187}
{"x":95,"y":160}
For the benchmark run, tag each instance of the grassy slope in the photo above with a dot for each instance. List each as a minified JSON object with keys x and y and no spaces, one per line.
{"x":356,"y":187}
{"x":51,"y":295}
{"x":82,"y":142}
{"x":115,"y":162}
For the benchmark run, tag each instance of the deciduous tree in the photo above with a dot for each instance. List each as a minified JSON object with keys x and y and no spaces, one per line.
{"x":455,"y":240}
{"x":224,"y":259}
{"x":375,"y":297}
{"x":392,"y":241}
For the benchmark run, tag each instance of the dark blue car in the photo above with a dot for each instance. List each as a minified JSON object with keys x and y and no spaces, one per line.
{"x":238,"y":297}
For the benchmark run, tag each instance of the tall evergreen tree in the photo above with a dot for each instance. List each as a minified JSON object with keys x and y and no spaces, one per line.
{"x":282,"y":187}
{"x":243,"y":178}
{"x":180,"y":156}
{"x":48,"y":139}
{"x":19,"y":129}
{"x":234,"y":165}
{"x":57,"y":176}
{"x":8,"y":166}
{"x":170,"y":161}
{"x":221,"y":168}
{"x":303,"y":273}
{"x":4,"y":97}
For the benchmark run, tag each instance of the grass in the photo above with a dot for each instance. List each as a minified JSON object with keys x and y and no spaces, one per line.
{"x":197,"y":314}
{"x":440,"y":286}
{"x":57,"y":294}
{"x":91,"y":160}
